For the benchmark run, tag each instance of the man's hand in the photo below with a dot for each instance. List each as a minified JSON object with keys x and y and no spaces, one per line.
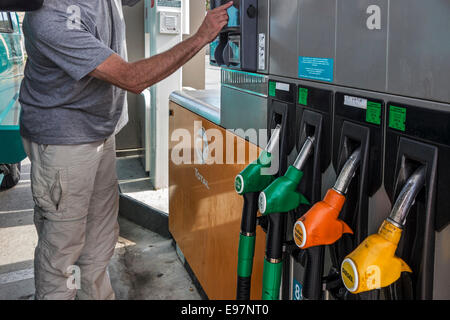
{"x":214,"y":22}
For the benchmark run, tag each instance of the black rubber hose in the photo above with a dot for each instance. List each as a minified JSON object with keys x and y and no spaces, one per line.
{"x":243,"y":288}
{"x":249,"y":213}
{"x":275,"y":232}
{"x":312,"y":282}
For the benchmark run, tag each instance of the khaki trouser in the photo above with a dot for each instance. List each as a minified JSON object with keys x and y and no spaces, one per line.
{"x":76,"y":197}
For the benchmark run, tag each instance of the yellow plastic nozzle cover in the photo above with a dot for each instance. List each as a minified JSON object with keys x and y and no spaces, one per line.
{"x":373,"y":264}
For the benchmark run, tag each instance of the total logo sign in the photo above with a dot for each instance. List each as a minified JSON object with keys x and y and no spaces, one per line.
{"x":201,"y":146}
{"x":202,"y":151}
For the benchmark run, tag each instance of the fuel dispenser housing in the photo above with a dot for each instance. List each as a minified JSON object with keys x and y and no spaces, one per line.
{"x":314,"y":118}
{"x":282,"y":110}
{"x":358,"y":123}
{"x":243,"y":43}
{"x":419,"y":136}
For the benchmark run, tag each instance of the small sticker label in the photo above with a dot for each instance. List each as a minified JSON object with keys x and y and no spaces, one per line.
{"x":303,"y":96}
{"x":321,"y":69}
{"x":262,"y":51}
{"x":373,"y":114}
{"x":283,"y":86}
{"x":297,"y":290}
{"x":355,"y":102}
{"x":397,"y":118}
{"x":272,"y":89}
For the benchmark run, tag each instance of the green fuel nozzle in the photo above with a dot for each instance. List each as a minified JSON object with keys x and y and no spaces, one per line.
{"x":282,"y":194}
{"x":249,"y":183}
{"x":253,"y":178}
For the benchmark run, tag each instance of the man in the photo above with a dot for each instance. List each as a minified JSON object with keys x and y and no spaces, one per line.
{"x":73,"y":96}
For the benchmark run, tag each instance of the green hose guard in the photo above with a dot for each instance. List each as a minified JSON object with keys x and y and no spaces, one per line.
{"x":246,"y":253}
{"x":271,"y":280}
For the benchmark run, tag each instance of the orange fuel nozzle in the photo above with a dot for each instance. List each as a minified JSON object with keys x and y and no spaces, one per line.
{"x":320,"y":225}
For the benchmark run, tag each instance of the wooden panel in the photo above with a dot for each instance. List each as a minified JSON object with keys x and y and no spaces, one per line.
{"x":205,"y":211}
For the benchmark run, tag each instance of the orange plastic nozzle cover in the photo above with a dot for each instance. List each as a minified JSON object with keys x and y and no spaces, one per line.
{"x":321,"y":224}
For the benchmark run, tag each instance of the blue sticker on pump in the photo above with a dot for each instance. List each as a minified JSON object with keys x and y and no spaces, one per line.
{"x":297,"y":290}
{"x":321,"y":69}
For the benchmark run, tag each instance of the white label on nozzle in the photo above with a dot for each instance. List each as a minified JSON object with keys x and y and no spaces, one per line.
{"x":299,"y":234}
{"x":239,"y":184}
{"x":262,"y":201}
{"x":349,"y":274}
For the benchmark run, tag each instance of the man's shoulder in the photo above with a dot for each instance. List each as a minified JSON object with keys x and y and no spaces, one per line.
{"x":50,"y":21}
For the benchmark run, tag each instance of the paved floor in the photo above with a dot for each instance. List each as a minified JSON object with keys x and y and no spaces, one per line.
{"x":145,"y":265}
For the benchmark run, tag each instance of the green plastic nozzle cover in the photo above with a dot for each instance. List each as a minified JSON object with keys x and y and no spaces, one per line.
{"x":251,"y":178}
{"x":282,"y":194}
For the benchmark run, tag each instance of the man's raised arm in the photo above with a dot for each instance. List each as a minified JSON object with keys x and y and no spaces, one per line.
{"x":137,"y":76}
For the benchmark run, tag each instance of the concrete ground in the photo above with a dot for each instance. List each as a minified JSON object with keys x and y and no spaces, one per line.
{"x":145,"y":265}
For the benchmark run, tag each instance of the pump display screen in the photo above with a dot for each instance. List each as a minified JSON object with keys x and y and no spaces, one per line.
{"x":234,"y":44}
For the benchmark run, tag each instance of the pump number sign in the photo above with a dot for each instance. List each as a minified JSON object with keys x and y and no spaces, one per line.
{"x":297,"y":290}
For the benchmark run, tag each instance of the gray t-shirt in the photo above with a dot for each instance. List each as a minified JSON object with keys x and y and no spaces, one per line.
{"x":65,"y":41}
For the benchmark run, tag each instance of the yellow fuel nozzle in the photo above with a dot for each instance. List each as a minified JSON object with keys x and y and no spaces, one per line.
{"x":373,"y":264}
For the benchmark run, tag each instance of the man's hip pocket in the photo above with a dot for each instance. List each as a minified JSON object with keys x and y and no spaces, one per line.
{"x":50,"y":192}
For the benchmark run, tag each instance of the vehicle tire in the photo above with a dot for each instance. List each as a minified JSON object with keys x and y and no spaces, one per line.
{"x":12,"y":177}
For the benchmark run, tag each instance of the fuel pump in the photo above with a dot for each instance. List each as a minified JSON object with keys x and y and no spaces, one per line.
{"x":249,"y":183}
{"x":417,"y":137}
{"x":281,"y":197}
{"x":373,"y":264}
{"x":282,"y":111}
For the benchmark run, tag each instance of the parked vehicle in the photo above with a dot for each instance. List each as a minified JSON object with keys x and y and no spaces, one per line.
{"x":12,"y":61}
